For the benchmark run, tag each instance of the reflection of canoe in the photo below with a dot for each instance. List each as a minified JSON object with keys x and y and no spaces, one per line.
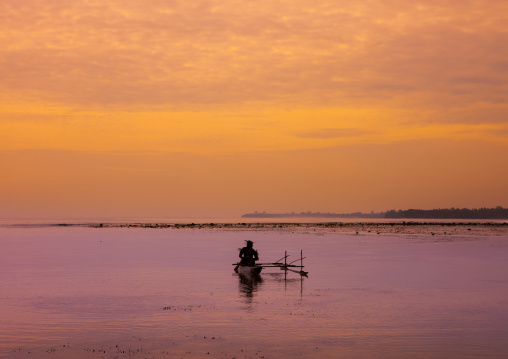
{"x":248,"y":270}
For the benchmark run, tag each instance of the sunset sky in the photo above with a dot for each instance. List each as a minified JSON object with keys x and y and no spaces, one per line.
{"x":169,"y":108}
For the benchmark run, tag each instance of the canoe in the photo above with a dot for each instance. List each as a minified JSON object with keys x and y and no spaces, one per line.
{"x":254,"y":270}
{"x":248,"y":270}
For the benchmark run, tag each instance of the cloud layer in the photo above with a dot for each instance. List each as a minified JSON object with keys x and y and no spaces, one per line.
{"x":187,"y":54}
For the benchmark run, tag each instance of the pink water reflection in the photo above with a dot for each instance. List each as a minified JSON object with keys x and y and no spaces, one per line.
{"x":174,"y":293}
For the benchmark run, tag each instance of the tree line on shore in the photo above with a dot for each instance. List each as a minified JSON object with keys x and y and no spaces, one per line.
{"x":440,"y":213}
{"x":451,"y":213}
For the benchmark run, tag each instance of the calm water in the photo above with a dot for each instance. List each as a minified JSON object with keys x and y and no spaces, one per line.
{"x":70,"y":292}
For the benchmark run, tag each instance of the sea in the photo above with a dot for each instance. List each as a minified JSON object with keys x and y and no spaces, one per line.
{"x":70,"y":288}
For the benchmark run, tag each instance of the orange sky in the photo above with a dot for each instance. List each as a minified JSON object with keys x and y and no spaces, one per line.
{"x":217,"y":108}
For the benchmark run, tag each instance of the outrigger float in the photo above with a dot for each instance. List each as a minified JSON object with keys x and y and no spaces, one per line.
{"x":258,"y":267}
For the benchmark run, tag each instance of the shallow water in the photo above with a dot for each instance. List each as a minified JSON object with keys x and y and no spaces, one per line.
{"x":74,"y":292}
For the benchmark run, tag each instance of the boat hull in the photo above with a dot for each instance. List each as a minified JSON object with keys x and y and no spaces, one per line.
{"x":248,"y":270}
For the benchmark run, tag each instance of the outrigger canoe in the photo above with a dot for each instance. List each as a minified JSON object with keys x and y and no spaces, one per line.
{"x":256,"y":269}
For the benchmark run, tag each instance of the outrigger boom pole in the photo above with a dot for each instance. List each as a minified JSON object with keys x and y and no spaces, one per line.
{"x":287,"y":266}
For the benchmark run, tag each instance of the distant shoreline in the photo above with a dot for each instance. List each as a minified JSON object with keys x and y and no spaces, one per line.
{"x":441,"y":213}
{"x":426,"y":228}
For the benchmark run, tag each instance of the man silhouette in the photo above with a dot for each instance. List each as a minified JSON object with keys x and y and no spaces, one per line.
{"x":248,"y":254}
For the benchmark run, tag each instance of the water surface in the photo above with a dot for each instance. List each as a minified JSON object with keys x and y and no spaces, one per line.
{"x":77,"y":292}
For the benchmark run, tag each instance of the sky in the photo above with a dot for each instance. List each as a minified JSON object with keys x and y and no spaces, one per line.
{"x":216,"y":108}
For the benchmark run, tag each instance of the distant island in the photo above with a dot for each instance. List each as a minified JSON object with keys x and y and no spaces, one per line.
{"x":441,"y":213}
{"x":451,"y":213}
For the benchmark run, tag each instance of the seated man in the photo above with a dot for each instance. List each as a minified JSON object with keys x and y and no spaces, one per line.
{"x":248,"y":254}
